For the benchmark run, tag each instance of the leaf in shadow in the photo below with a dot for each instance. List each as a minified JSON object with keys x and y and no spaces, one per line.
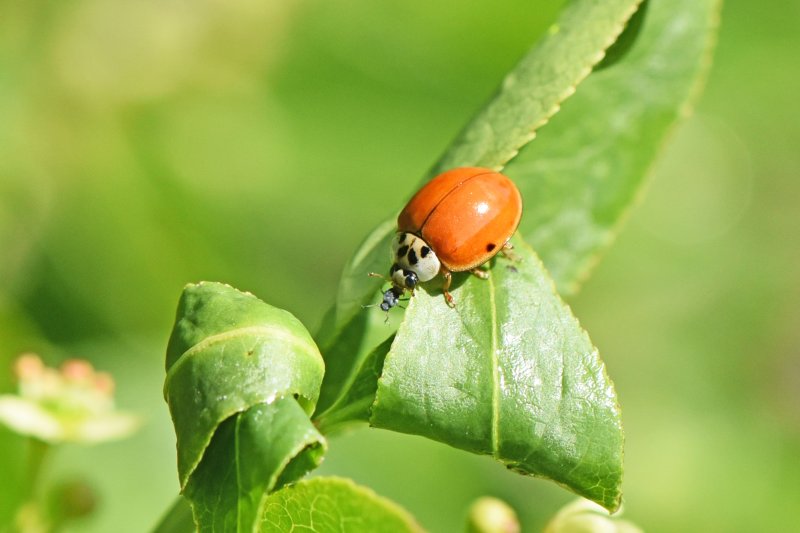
{"x":625,"y":41}
{"x":356,"y":404}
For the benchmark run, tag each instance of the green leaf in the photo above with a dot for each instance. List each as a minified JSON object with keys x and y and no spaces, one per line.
{"x":333,"y":505}
{"x":534,"y":90}
{"x":250,"y":454}
{"x":242,"y":378}
{"x":349,"y":332}
{"x":527,"y":98}
{"x":587,"y":166}
{"x":508,"y":373}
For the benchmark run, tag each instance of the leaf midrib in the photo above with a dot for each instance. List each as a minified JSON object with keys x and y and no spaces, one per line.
{"x":495,"y":371}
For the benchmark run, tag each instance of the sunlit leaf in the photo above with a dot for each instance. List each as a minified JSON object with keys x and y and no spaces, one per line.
{"x":333,"y":505}
{"x":508,"y":373}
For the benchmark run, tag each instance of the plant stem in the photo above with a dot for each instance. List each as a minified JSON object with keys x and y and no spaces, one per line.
{"x":37,"y":452}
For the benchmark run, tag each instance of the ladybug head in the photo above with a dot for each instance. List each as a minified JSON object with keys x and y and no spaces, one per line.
{"x":403,"y":279}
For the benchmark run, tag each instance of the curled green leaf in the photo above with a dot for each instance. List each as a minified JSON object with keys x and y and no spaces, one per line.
{"x":508,"y":373}
{"x":242,"y":379}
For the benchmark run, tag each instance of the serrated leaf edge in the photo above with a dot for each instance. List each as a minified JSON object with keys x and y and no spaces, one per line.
{"x":222,"y":337}
{"x":555,"y":108}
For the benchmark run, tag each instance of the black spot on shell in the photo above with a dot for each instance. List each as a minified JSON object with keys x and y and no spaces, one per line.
{"x":491,"y":246}
{"x":403,"y":250}
{"x":402,"y":238}
{"x":395,"y":268}
{"x":412,"y":257}
{"x":424,"y":251}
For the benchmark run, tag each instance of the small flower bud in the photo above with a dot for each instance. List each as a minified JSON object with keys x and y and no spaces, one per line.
{"x":583,"y":516}
{"x":492,"y":515}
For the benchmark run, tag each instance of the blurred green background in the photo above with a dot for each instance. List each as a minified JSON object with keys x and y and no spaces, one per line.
{"x":145,"y":144}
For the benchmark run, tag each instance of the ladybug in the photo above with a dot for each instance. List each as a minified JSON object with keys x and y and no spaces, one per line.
{"x":457,"y":222}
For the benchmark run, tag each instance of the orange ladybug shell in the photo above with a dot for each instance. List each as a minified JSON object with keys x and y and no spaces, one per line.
{"x":465,"y":215}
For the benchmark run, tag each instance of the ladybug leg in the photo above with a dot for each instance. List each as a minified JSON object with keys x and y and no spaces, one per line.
{"x":508,"y":252}
{"x":479,"y":273}
{"x":448,"y":278}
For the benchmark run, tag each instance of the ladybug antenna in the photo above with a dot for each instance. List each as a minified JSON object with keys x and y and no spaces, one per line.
{"x":376,"y":275}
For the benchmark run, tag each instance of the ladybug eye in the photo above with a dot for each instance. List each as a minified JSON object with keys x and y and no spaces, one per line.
{"x":411,"y":280}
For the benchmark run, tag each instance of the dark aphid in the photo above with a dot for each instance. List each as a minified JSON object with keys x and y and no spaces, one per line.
{"x":390,"y":298}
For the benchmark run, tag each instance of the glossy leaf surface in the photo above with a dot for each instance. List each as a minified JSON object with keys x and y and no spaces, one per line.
{"x":333,"y":505}
{"x":508,"y":373}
